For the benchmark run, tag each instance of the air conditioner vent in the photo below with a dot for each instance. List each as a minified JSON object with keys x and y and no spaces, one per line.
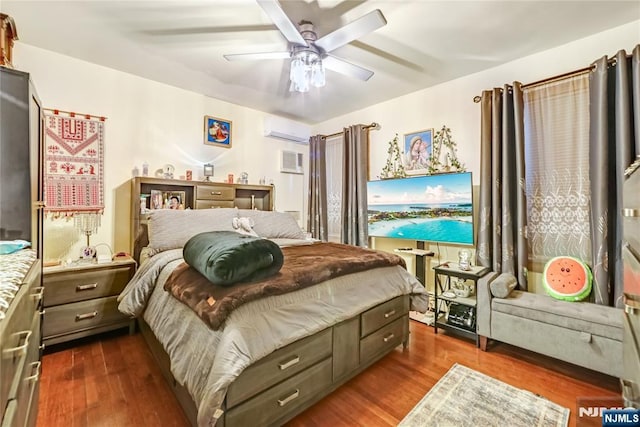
{"x":278,"y":127}
{"x":291,"y":162}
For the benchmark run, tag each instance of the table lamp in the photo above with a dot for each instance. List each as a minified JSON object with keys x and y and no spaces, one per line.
{"x":208,"y":171}
{"x":88,"y":224}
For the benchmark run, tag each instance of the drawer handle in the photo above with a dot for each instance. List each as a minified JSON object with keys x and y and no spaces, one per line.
{"x":20,"y":350}
{"x":37,"y":296}
{"x":86,"y":316}
{"x":216,"y":193}
{"x":35,"y":367}
{"x":289,"y":364}
{"x":389,"y":314}
{"x":86,"y":287}
{"x":388,"y":337}
{"x":628,"y":212}
{"x":289,"y":398}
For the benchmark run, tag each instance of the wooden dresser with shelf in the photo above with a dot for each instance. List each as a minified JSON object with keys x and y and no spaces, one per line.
{"x":197,"y":195}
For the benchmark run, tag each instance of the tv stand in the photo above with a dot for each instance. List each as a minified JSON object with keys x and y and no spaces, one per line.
{"x":420,"y":253}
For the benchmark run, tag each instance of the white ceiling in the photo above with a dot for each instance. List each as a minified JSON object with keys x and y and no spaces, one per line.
{"x":424,"y":43}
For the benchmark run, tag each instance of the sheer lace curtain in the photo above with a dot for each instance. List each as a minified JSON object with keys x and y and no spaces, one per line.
{"x":556,"y":121}
{"x":334,"y":156}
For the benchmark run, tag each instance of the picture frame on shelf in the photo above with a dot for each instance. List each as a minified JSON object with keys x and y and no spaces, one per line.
{"x":162,"y":199}
{"x":218,"y":131}
{"x":418,"y":148}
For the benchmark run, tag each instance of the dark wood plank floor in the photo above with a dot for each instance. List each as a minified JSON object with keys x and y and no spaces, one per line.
{"x":112,"y":380}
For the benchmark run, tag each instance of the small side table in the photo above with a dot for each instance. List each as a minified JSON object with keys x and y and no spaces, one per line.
{"x":81,"y":299}
{"x":456,"y":313}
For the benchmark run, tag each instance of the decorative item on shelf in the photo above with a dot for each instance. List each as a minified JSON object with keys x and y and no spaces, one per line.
{"x":189,"y":173}
{"x":394,"y":167}
{"x":145,"y":169}
{"x":87,"y":223}
{"x":208,"y":171}
{"x":443,"y":144}
{"x":230,"y":178}
{"x":167,"y":171}
{"x":464,"y":259}
{"x":417,"y":151}
{"x":244,"y":178}
{"x":460,"y":288}
{"x":8,"y":33}
{"x":217,"y":131}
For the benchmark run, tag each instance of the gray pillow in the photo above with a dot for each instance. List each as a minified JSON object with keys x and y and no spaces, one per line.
{"x":273,"y":225}
{"x":502,"y":286}
{"x":170,"y":229}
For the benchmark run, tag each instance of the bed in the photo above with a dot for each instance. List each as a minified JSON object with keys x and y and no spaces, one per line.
{"x":275,"y":356}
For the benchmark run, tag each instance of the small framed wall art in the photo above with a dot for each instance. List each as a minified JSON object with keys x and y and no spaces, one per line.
{"x":418,"y":148}
{"x":217,"y":131}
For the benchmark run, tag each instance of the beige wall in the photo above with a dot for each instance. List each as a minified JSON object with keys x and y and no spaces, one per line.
{"x":156,"y":123}
{"x":451,"y":104}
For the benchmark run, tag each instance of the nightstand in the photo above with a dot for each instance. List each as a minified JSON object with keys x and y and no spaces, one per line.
{"x":81,"y":299}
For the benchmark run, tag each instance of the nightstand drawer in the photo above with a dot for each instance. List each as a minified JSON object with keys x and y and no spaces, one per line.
{"x":72,"y":286}
{"x":212,"y":192}
{"x":78,"y":316}
{"x":384,"y":313}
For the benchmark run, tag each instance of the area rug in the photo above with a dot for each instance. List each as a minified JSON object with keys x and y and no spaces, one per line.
{"x":74,"y":153}
{"x":464,"y":397}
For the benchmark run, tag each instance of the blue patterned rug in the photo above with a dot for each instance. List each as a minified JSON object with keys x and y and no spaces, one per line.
{"x":464,"y":397}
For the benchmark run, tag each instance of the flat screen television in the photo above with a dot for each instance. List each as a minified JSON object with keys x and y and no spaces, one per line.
{"x":432,"y":208}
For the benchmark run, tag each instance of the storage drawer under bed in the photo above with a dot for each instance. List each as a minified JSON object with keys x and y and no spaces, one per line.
{"x":280,"y":365}
{"x":282,"y":399}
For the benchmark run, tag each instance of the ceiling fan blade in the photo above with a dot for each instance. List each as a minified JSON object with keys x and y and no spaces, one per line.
{"x":288,"y":29}
{"x":353,"y":30}
{"x":259,"y":55}
{"x":343,"y":67}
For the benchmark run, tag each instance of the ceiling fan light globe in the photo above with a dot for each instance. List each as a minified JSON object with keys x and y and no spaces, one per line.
{"x":317,"y":74}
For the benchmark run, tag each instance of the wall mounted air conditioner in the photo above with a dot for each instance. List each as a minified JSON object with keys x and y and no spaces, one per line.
{"x":291,"y":162}
{"x":278,"y":127}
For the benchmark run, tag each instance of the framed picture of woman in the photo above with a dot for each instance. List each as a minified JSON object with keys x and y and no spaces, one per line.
{"x":217,"y":131}
{"x":418,"y":147}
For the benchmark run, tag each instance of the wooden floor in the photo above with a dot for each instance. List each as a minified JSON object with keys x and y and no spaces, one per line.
{"x":112,"y":381}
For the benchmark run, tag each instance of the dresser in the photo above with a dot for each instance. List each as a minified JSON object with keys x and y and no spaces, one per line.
{"x":81,"y":299}
{"x":20,"y":348}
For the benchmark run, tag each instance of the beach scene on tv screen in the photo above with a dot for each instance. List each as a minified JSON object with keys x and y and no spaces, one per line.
{"x":430,"y":208}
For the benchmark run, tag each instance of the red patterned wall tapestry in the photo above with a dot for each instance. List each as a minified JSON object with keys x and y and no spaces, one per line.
{"x":74,"y":163}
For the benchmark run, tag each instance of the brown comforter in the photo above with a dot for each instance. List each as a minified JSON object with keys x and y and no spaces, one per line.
{"x":303,"y":266}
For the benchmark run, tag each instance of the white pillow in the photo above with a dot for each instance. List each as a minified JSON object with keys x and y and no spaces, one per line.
{"x":272,"y":224}
{"x":170,"y":229}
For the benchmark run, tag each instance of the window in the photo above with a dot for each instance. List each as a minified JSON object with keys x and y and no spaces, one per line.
{"x":556,"y":121}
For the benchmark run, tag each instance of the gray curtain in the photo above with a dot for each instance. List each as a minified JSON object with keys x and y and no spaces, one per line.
{"x":317,"y":223}
{"x":354,"y":190}
{"x":614,"y":143}
{"x":502,"y":244}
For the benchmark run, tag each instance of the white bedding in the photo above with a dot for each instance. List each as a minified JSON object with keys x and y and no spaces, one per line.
{"x":207,"y":361}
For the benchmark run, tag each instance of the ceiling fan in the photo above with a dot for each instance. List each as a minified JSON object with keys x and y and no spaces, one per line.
{"x":309,"y":54}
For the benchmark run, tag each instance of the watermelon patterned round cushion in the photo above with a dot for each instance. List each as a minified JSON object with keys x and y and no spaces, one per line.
{"x":567,"y":278}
